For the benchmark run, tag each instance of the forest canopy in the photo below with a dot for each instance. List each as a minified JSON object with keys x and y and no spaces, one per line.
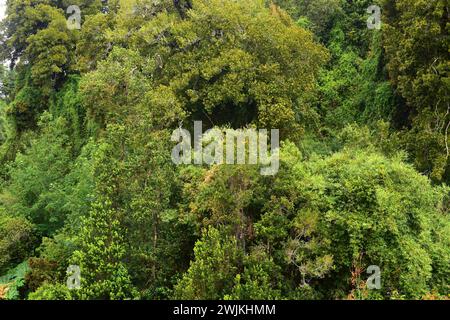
{"x":87,"y":177}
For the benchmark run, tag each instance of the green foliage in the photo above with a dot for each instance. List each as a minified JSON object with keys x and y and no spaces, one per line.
{"x":51,"y":292}
{"x":360,"y":209}
{"x":42,"y":271}
{"x":13,"y":281}
{"x":417,"y":42}
{"x":67,"y":103}
{"x":261,"y":279}
{"x":104,"y":275}
{"x":325,"y":221}
{"x":321,"y":13}
{"x":3,"y":124}
{"x":87,"y":179}
{"x":7,"y":79}
{"x":233,"y":57}
{"x":102,"y":249}
{"x":35,"y":188}
{"x":211,"y":274}
{"x":17,"y":240}
{"x":28,"y":102}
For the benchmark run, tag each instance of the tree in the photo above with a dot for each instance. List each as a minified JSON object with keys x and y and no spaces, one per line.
{"x":87,"y":179}
{"x":36,"y":184}
{"x":239,"y":59}
{"x":261,"y":279}
{"x":360,"y":209}
{"x":211,"y":274}
{"x":101,"y":242}
{"x":416,"y":43}
{"x":17,"y":240}
{"x":100,"y":256}
{"x":51,"y":292}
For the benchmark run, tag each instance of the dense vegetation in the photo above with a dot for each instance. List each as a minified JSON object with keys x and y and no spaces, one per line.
{"x":87,"y":179}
